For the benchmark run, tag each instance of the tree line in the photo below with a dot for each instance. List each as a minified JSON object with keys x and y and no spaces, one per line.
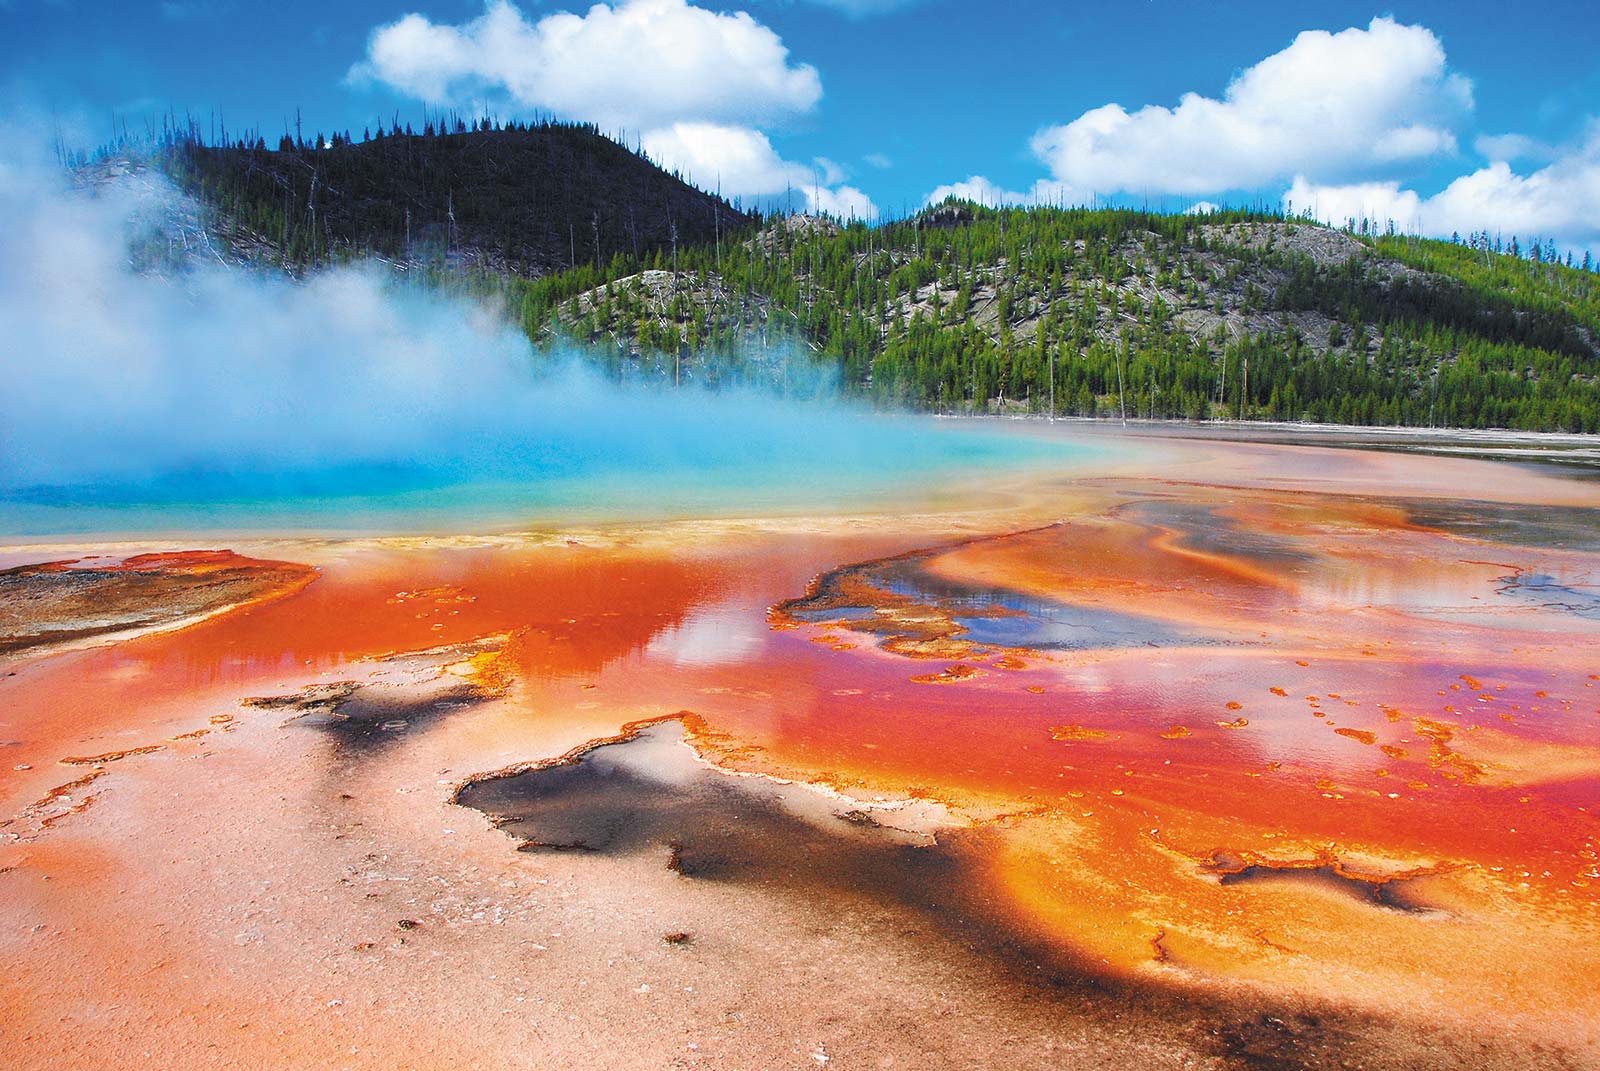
{"x":1095,"y":313}
{"x":957,"y":308}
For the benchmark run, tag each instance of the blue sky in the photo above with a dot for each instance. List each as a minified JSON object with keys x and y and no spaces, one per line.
{"x":1443,"y":116}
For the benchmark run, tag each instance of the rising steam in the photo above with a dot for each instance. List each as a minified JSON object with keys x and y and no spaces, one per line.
{"x":219,"y":382}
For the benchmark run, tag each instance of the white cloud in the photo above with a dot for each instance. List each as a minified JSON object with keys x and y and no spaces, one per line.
{"x":1202,"y":208}
{"x":832,"y":172}
{"x":878,"y":159}
{"x":739,"y":160}
{"x":1334,"y":105}
{"x":1379,"y":202}
{"x":982,"y":191}
{"x":978,"y":189}
{"x":841,"y":202}
{"x":637,"y":64}
{"x":694,"y":80}
{"x":1560,"y":200}
{"x":1510,"y":147}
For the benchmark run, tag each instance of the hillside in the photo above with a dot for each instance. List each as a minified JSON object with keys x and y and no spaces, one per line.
{"x":1110,"y":312}
{"x":524,"y":199}
{"x":1106,"y":312}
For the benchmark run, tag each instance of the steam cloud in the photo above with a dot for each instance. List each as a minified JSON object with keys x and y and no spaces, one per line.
{"x":224,"y":382}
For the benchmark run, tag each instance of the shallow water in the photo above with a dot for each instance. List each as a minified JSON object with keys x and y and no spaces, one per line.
{"x":987,"y":615}
{"x":706,"y":458}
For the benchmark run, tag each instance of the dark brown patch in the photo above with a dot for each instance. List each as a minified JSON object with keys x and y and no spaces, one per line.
{"x":58,"y":602}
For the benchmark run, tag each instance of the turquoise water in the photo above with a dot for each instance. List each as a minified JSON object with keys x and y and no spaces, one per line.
{"x":354,"y":402}
{"x":660,"y":460}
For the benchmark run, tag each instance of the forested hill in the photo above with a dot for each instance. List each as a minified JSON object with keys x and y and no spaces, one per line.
{"x":1107,"y":312}
{"x":523,"y":199}
{"x":1113,"y":312}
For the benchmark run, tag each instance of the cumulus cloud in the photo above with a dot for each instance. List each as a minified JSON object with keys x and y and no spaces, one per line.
{"x":1377,"y":202}
{"x":1334,"y":105}
{"x":981,"y":190}
{"x":635,"y":64}
{"x":741,"y":160}
{"x":832,"y":171}
{"x":696,"y":82}
{"x":1560,"y":200}
{"x":978,"y":189}
{"x":736,"y":158}
{"x":1510,"y":147}
{"x":841,"y":202}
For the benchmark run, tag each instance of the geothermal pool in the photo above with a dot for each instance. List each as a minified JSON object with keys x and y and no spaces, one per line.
{"x":1080,"y":750}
